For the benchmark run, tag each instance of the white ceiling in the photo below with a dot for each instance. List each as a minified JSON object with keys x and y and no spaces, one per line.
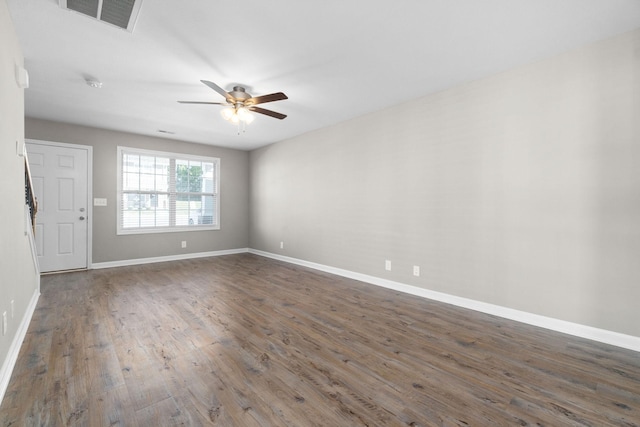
{"x":335,"y":59}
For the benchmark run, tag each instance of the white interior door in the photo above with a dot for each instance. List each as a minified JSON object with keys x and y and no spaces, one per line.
{"x":60,"y":179}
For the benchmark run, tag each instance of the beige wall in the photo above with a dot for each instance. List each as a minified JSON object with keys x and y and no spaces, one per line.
{"x":18,"y":280}
{"x":107,"y":246}
{"x":521,"y":190}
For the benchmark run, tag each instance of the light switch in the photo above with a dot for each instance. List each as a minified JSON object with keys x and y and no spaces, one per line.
{"x":99,"y":202}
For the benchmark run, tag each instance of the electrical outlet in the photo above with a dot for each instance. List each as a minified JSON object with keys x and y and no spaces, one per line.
{"x":281,"y":245}
{"x":4,"y":323}
{"x":416,"y":270}
{"x":184,"y":244}
{"x":387,"y":265}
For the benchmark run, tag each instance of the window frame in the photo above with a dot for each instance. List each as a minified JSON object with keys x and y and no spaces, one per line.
{"x":172,"y":192}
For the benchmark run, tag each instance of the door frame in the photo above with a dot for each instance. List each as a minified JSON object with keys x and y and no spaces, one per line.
{"x":89,"y":205}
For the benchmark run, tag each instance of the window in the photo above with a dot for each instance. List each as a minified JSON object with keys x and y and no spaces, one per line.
{"x":162,"y":192}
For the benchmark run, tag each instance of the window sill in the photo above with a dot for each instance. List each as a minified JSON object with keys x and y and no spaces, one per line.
{"x":166,"y":230}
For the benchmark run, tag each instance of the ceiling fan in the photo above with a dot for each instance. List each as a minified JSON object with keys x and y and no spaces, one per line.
{"x":240,"y":103}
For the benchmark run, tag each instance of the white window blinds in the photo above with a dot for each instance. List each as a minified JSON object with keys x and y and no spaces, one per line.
{"x":160,"y":192}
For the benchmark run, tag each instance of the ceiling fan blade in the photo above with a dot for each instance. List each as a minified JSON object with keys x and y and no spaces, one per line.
{"x":278,"y":96}
{"x":268,"y":112}
{"x":219,"y":90}
{"x":198,"y":102}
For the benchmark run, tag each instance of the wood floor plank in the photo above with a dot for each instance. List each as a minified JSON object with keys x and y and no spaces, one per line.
{"x":243,"y":340}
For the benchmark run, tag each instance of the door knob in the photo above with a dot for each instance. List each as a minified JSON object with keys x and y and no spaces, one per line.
{"x":81,"y":218}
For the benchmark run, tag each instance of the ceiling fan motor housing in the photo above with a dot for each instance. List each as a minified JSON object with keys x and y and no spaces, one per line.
{"x":240,"y":94}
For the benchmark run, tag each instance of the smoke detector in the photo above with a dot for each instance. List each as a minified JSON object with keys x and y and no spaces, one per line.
{"x":121,"y":13}
{"x":96,"y":84}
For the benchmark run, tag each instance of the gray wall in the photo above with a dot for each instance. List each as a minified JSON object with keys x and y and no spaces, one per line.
{"x":521,"y":190}
{"x":18,"y":280}
{"x":107,"y":246}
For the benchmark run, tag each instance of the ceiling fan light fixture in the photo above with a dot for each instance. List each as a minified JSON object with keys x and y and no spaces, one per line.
{"x":237,"y":115}
{"x":227,"y":113}
{"x":248,"y":118}
{"x":243,"y":113}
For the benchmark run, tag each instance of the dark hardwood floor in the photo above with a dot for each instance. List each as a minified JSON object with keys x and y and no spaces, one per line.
{"x":243,"y":340}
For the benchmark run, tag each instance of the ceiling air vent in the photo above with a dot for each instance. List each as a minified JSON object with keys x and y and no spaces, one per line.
{"x":121,"y":13}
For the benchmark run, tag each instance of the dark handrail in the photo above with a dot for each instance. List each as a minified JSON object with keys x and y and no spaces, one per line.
{"x":30,"y":197}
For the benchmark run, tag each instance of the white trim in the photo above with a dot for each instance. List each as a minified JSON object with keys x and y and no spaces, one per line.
{"x":135,"y":13}
{"x":89,"y":149}
{"x":14,"y":349}
{"x":126,"y":262}
{"x":608,"y":337}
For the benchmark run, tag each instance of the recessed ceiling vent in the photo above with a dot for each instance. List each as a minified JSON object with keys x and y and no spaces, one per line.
{"x":121,"y":13}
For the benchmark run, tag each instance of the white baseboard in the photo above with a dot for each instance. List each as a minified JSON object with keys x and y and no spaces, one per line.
{"x":608,"y":337}
{"x":126,"y":262}
{"x":14,"y":349}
